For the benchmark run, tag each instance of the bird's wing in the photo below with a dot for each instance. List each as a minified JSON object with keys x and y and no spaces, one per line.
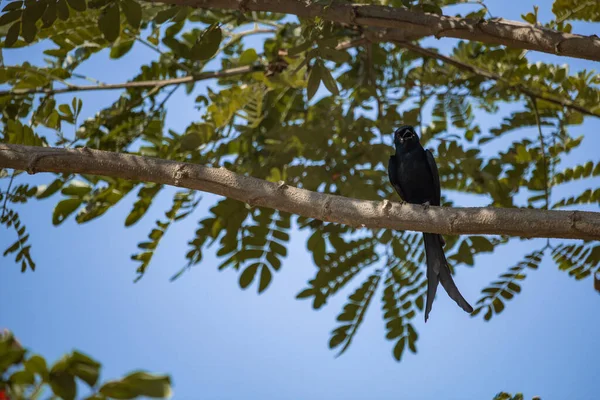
{"x":436,"y":178}
{"x":393,"y":174}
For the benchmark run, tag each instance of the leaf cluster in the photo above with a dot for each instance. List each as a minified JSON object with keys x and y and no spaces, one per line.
{"x":28,"y":376}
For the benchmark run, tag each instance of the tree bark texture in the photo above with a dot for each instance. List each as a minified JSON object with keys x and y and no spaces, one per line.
{"x":408,"y":25}
{"x":325,"y":207}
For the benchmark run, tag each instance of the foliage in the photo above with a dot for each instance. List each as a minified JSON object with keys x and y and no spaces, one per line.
{"x":280,"y":124}
{"x":28,"y":376}
{"x":506,"y":287}
{"x":508,"y":396}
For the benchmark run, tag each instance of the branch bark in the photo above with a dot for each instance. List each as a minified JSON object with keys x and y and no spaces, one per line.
{"x":411,"y":25}
{"x":257,"y":192}
{"x":137,"y":84}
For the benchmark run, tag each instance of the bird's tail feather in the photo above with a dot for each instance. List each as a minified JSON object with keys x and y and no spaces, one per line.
{"x":438,"y":271}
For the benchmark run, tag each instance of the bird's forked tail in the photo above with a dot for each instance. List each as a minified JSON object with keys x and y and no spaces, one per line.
{"x":438,"y":271}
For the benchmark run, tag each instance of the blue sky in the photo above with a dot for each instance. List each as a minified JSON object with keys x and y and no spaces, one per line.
{"x":219,"y":342}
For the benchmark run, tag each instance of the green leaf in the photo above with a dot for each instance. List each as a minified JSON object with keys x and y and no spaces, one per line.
{"x":247,"y":276}
{"x":498,"y":305}
{"x":13,"y":5}
{"x":181,"y":15}
{"x":12,"y":248}
{"x":63,"y":9}
{"x":338,"y":56}
{"x":118,"y":390}
{"x":419,"y":303}
{"x":133,"y":12}
{"x":10,"y":356}
{"x":77,"y":189}
{"x":529,"y":17}
{"x":22,"y":378}
{"x":10,"y":16}
{"x":13,"y":34}
{"x":84,"y":367}
{"x":151,"y":385}
{"x":65,"y":208}
{"x":109,"y":22}
{"x":300,"y":48}
{"x":145,"y":197}
{"x":47,"y":191}
{"x":165,"y":15}
{"x":77,"y":105}
{"x":431,"y":8}
{"x":399,"y":348}
{"x":197,"y":135}
{"x":63,"y":384}
{"x":316,"y":244}
{"x":314,"y":80}
{"x":248,"y":57}
{"x":37,"y":365}
{"x":208,"y":44}
{"x":121,"y":47}
{"x":265,"y":278}
{"x":329,"y":82}
{"x":77,"y":5}
{"x":305,"y":294}
{"x":65,"y":109}
{"x":138,"y":384}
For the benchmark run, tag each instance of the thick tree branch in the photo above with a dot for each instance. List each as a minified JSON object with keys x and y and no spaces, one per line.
{"x":489,"y":75}
{"x":412,"y":24}
{"x":159,"y":84}
{"x":257,"y":192}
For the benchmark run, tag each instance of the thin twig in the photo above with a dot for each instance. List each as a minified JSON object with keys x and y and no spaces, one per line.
{"x":421,"y":98}
{"x":159,"y":51}
{"x":235,"y":37}
{"x":543,"y":147}
{"x":87,"y":78}
{"x":254,"y":31}
{"x":138,"y":84}
{"x":157,"y":109}
{"x":12,"y":178}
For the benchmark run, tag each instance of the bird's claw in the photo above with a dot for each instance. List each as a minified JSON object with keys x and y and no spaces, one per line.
{"x":425,"y":205}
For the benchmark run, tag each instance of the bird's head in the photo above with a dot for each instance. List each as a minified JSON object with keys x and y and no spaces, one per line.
{"x":405,"y":136}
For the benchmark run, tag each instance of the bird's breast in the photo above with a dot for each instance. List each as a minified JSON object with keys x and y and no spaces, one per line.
{"x":415,"y":177}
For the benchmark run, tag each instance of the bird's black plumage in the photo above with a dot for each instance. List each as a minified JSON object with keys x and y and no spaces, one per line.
{"x":414,"y":175}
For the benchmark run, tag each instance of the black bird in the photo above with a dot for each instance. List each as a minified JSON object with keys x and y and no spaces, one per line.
{"x":414,"y":174}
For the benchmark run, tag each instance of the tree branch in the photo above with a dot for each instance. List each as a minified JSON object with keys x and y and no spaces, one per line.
{"x":137,"y":84}
{"x":257,"y":192}
{"x":411,"y":25}
{"x":488,"y":75}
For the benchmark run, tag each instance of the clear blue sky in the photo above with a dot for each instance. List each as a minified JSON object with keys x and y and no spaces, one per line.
{"x":219,"y":342}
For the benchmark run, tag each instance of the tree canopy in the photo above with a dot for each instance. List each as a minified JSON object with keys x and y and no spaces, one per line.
{"x":313,"y":107}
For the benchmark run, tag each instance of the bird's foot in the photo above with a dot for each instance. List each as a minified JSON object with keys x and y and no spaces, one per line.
{"x":426,"y":205}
